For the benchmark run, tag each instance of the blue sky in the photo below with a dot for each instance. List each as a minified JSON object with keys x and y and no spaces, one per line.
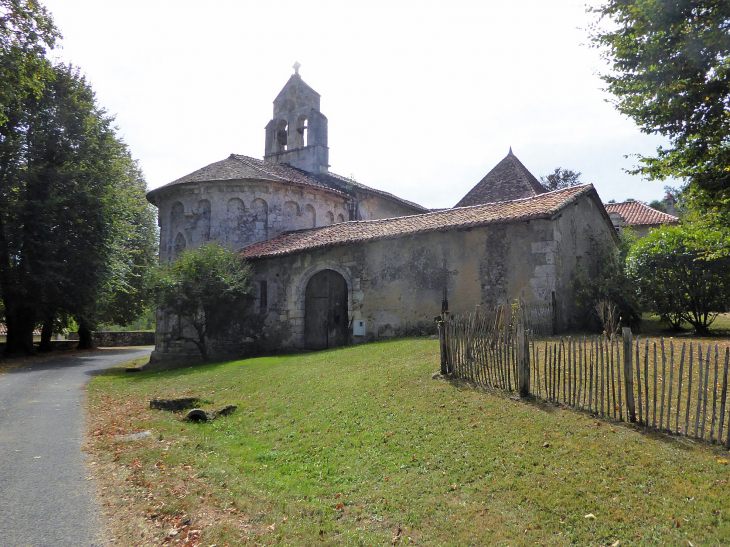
{"x":423,"y":98}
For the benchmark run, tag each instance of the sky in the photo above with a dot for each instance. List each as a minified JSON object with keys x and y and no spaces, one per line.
{"x":423,"y":97}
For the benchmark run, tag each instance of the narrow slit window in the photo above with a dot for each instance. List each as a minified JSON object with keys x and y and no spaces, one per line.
{"x":264,"y":297}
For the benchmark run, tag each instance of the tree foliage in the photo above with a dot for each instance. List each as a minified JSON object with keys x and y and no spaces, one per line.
{"x":206,"y":289}
{"x":26,"y":32}
{"x":76,"y":233}
{"x":670,"y":63}
{"x":560,"y":178}
{"x":683,"y":274}
{"x":609,"y":285}
{"x":659,"y":205}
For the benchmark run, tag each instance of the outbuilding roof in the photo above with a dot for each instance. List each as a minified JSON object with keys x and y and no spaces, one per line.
{"x":508,"y":180}
{"x":636,"y":213}
{"x":542,"y":206}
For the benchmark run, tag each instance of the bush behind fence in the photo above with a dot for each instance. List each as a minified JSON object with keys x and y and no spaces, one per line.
{"x":659,"y":384}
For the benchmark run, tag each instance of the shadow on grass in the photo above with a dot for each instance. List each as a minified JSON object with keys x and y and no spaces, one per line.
{"x":122,"y":370}
{"x":62,"y":359}
{"x":683,"y":442}
{"x":652,"y":325}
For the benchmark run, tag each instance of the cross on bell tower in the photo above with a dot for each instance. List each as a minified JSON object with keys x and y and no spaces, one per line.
{"x":297,"y":134}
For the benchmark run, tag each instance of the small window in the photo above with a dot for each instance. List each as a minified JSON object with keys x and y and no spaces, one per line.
{"x":263,"y":297}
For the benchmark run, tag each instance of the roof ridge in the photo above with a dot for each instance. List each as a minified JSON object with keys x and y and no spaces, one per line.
{"x":545,"y":205}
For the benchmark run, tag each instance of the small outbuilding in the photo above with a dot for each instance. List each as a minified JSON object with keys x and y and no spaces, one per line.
{"x":639,"y":217}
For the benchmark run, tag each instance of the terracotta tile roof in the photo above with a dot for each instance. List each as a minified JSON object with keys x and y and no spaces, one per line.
{"x":636,"y":213}
{"x":238,"y":167}
{"x":544,"y":205}
{"x":508,"y":180}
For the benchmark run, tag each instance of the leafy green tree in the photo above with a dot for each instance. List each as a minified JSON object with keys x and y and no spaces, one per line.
{"x":126,"y":283}
{"x":670,"y":62}
{"x":71,"y":204}
{"x":683,"y":274}
{"x":560,"y":178}
{"x":659,"y":205}
{"x":26,"y":33}
{"x":206,"y":289}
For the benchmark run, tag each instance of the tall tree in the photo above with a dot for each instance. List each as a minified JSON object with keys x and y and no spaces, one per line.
{"x":670,"y":62}
{"x":70,"y":196}
{"x":26,"y":32}
{"x":560,"y":178}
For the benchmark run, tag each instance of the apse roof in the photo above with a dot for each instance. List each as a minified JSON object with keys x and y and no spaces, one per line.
{"x":542,"y":206}
{"x":508,"y":180}
{"x":239,"y":167}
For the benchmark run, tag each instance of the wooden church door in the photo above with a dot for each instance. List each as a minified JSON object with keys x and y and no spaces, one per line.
{"x":325,"y":311}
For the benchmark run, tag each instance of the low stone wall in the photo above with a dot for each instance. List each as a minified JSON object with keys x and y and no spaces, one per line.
{"x":122,"y":339}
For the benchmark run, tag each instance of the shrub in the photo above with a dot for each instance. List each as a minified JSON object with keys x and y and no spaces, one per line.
{"x":206,"y":288}
{"x":683,"y":273}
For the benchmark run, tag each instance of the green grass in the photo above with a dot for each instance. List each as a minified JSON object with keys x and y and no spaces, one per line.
{"x":652,"y":325}
{"x":348,"y":447}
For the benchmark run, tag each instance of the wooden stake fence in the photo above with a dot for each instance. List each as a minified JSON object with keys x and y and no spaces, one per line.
{"x":679,"y":390}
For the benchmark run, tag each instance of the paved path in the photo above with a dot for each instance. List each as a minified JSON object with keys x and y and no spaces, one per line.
{"x":45,"y":497}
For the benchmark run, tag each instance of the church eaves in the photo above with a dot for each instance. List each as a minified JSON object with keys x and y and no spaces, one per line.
{"x":543,"y":206}
{"x":508,"y":180}
{"x":239,"y":167}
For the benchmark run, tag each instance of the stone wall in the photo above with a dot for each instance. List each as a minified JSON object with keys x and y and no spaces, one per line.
{"x":395,"y":285}
{"x":237,"y":213}
{"x":372,"y":206}
{"x":123,"y":339}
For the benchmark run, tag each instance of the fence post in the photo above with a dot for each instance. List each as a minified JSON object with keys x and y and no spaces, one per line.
{"x":442,"y":344}
{"x":554,"y":313}
{"x":523,"y":348}
{"x":629,"y":372}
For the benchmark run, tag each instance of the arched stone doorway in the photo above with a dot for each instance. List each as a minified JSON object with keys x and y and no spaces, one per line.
{"x":325,"y":311}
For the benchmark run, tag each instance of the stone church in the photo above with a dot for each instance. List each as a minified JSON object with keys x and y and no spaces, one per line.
{"x":336,"y":262}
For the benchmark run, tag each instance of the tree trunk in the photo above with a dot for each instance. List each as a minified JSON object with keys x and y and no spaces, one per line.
{"x":20,"y":323}
{"x":46,"y":334}
{"x":86,"y":340}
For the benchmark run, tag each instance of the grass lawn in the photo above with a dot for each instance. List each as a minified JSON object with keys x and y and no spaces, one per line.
{"x":651,"y":325}
{"x":360,"y":446}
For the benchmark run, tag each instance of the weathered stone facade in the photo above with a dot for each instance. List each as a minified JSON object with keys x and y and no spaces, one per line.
{"x":389,"y":263}
{"x":396,"y":285}
{"x":239,"y":213}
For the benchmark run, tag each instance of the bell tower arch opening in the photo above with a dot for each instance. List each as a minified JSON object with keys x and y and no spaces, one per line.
{"x":282,"y":136}
{"x":297,"y":133}
{"x":301,"y":136}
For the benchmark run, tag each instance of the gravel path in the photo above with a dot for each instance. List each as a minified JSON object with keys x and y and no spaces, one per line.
{"x":46,"y":496}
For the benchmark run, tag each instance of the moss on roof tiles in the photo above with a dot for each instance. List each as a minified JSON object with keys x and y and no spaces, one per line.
{"x":542,"y":206}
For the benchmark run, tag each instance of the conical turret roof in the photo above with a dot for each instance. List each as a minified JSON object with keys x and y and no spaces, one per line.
{"x":509,"y":180}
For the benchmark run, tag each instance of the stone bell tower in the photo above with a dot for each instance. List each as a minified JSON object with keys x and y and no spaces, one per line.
{"x":297,"y":134}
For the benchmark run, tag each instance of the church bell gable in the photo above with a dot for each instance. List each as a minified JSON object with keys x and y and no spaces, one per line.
{"x":297,"y":134}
